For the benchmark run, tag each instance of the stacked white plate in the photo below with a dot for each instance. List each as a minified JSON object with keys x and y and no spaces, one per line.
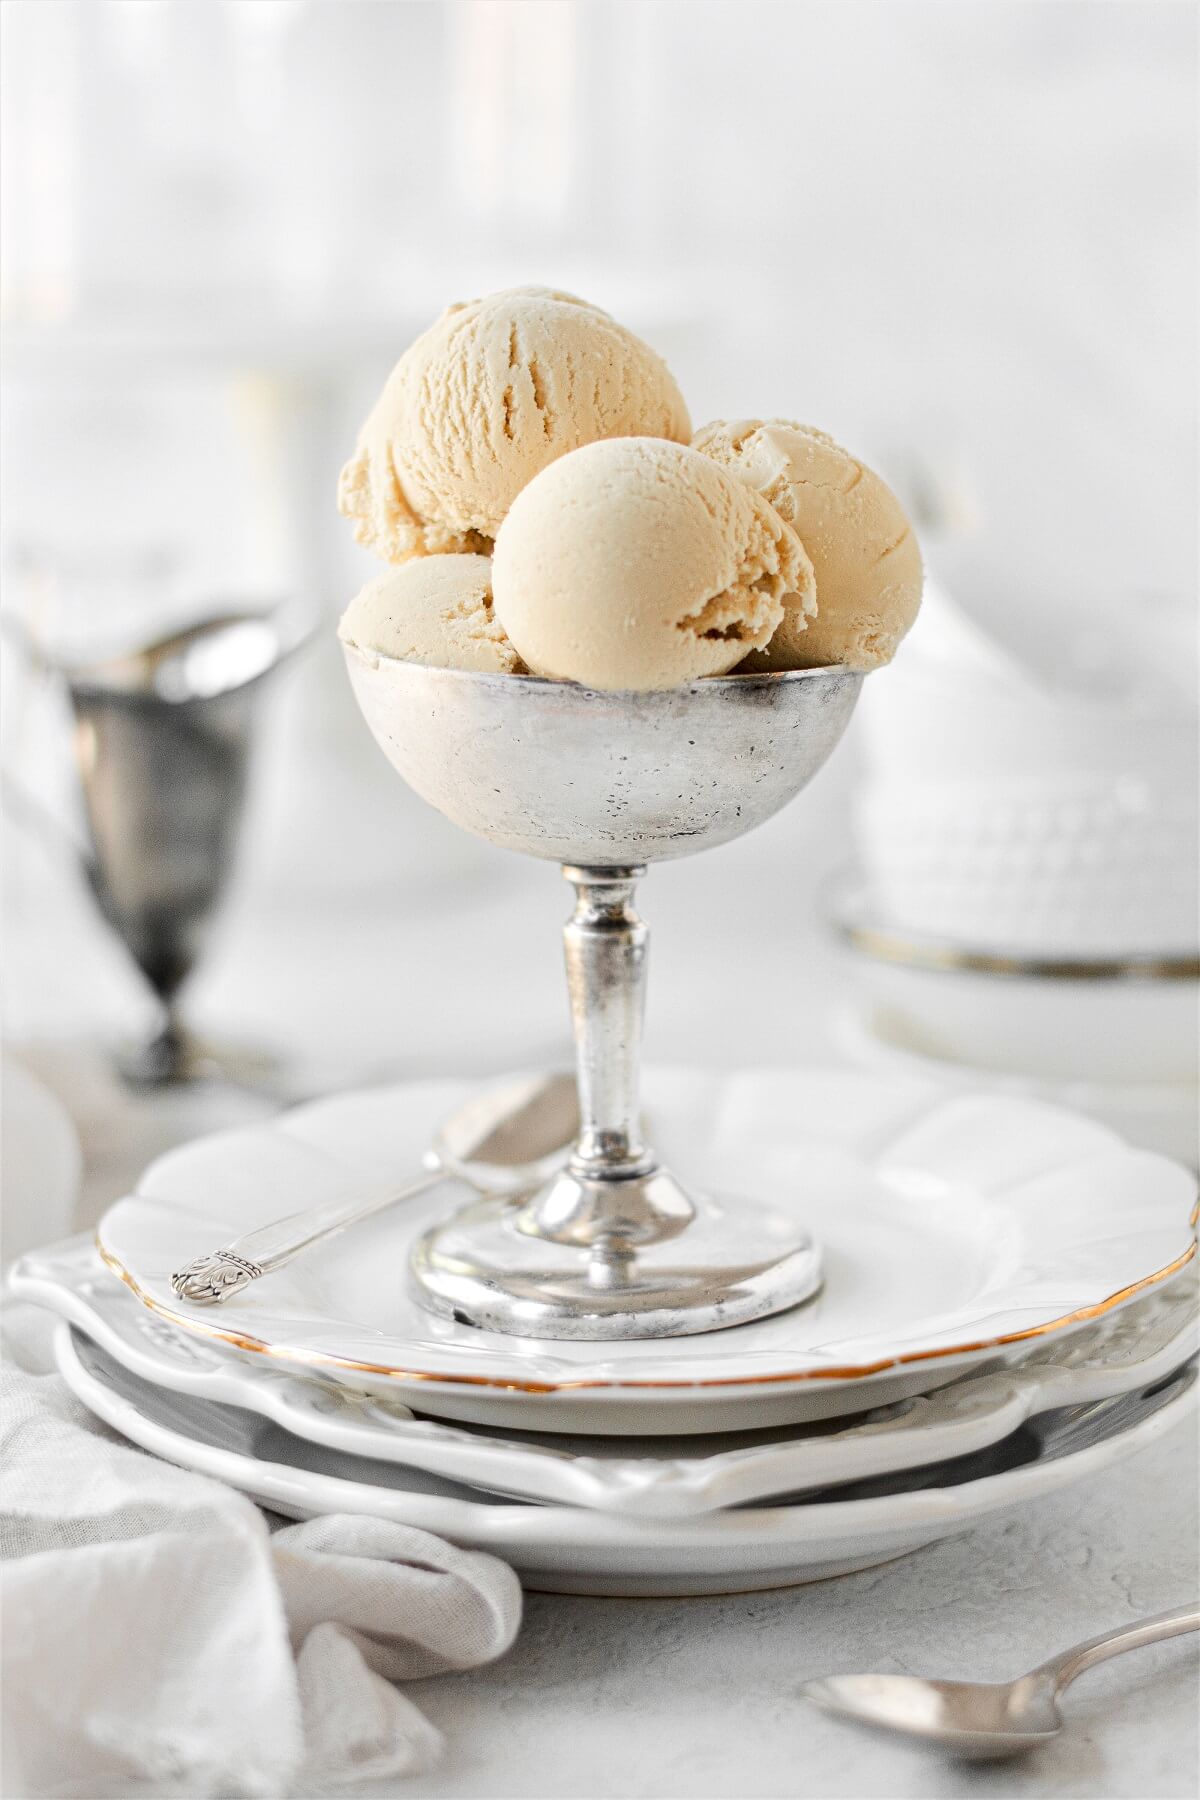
{"x":1009,"y":1306}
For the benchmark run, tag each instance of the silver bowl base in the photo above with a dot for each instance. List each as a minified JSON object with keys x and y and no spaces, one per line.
{"x":738,"y":1260}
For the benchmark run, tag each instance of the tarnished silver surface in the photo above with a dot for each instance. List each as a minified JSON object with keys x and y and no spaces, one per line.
{"x":611,"y":1198}
{"x":603,"y":780}
{"x":984,"y":1721}
{"x":605,"y":783}
{"x":162,"y":742}
{"x":162,"y":736}
{"x":735,"y":1262}
{"x":504,"y":1142}
{"x":208,"y":1279}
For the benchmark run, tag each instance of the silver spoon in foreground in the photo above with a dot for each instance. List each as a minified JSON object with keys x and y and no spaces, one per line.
{"x":983,"y":1721}
{"x":504,"y":1142}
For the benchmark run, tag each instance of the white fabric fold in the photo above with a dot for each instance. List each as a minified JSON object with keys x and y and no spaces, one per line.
{"x":161,"y":1639}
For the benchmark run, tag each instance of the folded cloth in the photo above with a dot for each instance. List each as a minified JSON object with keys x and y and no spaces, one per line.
{"x":162,"y":1638}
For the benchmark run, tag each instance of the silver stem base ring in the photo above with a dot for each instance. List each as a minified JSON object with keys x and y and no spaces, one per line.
{"x":737,"y":1261}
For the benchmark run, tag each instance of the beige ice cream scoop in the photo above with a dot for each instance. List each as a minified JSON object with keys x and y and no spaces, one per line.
{"x":637,"y":563}
{"x":435,"y":610}
{"x":488,"y":396}
{"x":863,"y":548}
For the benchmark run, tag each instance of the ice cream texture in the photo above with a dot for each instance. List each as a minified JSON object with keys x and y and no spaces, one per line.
{"x":490,"y":395}
{"x":637,"y":563}
{"x":435,"y":610}
{"x":864,"y":552}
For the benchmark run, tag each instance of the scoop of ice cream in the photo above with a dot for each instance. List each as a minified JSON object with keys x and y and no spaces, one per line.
{"x":435,"y":610}
{"x":485,"y":399}
{"x":637,"y":563}
{"x":864,"y":552}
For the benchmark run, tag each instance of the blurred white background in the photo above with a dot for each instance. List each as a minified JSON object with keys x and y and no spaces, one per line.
{"x":960,"y":237}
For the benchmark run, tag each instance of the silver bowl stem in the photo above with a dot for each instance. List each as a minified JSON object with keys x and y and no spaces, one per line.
{"x":518,"y":1269}
{"x":593,"y":1204}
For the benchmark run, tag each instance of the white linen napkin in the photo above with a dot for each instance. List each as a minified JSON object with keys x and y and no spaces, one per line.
{"x":161,"y":1639}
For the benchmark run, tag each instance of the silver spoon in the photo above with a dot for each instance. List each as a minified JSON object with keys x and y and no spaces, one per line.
{"x":505,"y":1142}
{"x":984,"y":1720}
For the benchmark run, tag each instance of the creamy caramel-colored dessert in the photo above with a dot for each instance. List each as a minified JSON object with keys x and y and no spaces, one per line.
{"x":485,"y":399}
{"x":639,"y":564}
{"x":436,"y":610}
{"x":532,"y":429}
{"x":864,"y":552}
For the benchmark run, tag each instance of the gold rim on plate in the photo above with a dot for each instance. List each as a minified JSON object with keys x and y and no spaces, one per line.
{"x":850,"y":1372}
{"x":850,"y":917}
{"x":890,"y":947}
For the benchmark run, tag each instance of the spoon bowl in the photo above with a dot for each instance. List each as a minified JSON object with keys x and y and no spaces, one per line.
{"x":502,"y":1142}
{"x":979,"y":1721}
{"x":510,"y":1138}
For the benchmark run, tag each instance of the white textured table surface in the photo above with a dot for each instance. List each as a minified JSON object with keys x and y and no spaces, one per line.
{"x":697,"y":1698}
{"x":690,"y":1698}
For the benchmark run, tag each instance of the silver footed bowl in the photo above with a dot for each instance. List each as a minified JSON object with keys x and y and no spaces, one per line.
{"x":604,"y":783}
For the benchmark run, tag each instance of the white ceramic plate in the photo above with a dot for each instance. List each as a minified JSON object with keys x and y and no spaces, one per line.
{"x":572,"y":1550}
{"x":1162,"y":1116}
{"x":955,"y":1230}
{"x":1117,"y":1031}
{"x":639,"y":1478}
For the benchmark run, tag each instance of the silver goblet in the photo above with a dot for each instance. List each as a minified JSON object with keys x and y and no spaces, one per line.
{"x":604,"y":783}
{"x":162,"y":742}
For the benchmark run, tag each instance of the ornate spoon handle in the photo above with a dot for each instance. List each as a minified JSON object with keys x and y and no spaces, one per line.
{"x":211,"y":1278}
